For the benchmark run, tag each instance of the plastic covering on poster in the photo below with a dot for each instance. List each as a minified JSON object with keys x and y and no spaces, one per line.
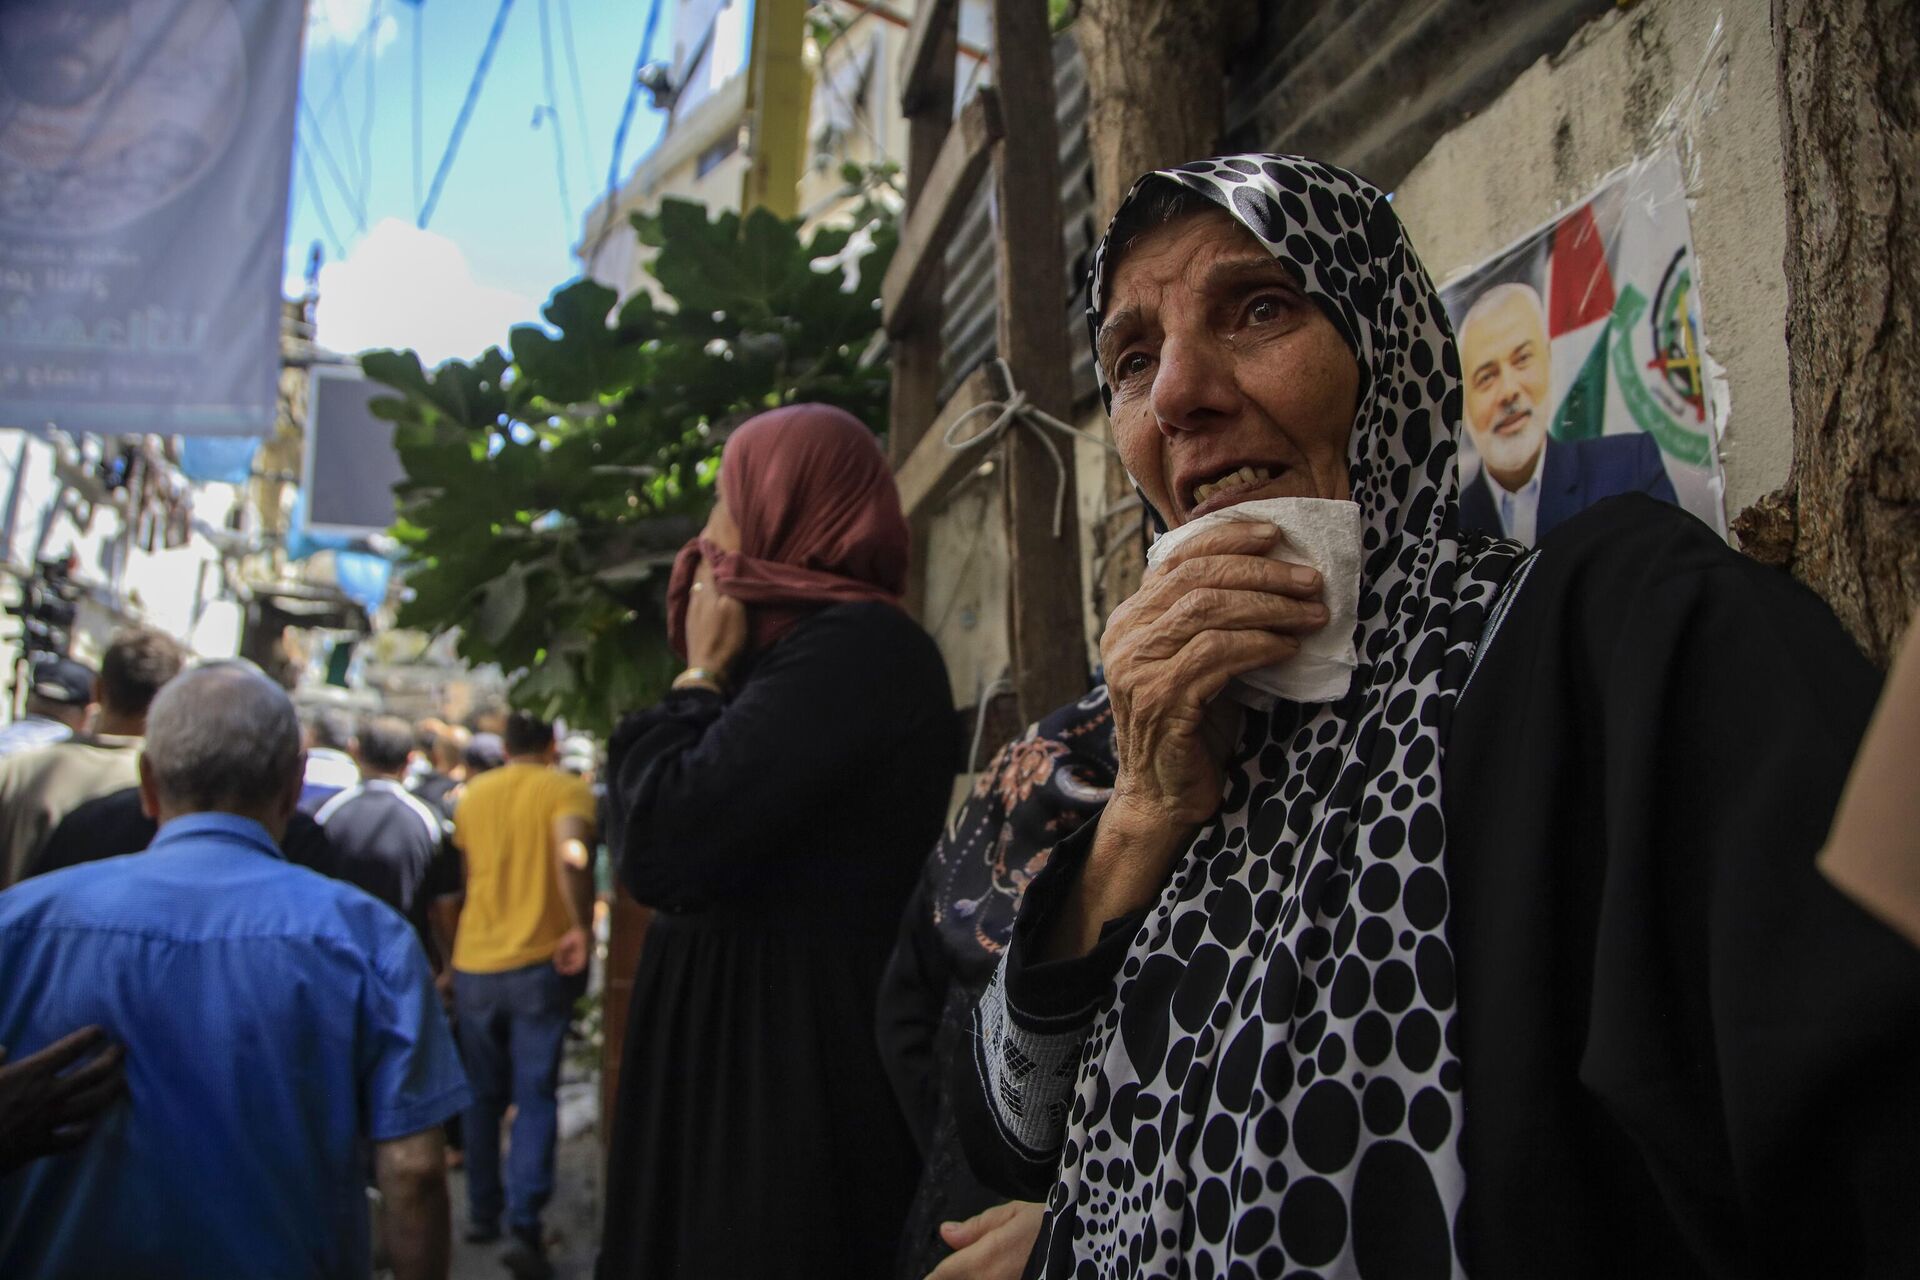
{"x":1583,"y":363}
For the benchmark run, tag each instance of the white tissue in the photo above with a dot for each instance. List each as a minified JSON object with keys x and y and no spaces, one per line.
{"x":1325,"y":534}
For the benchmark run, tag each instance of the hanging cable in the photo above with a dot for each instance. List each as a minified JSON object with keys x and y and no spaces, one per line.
{"x":319,"y":142}
{"x":552,"y":110}
{"x":466,"y":113}
{"x":335,"y":96}
{"x":1017,"y":410}
{"x":579,"y":96}
{"x":620,"y":135}
{"x":419,"y":77}
{"x":319,"y":202}
{"x":366,"y":121}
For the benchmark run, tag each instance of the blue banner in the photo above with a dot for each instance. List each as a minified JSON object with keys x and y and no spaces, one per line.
{"x":144,"y":156}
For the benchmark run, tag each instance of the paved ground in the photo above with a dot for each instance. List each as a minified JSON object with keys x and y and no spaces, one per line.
{"x":573,"y":1219}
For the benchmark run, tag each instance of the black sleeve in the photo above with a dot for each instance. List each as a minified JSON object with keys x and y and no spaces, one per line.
{"x":913,"y":994}
{"x":700,"y":791}
{"x":1813,"y":1005}
{"x":1044,"y":999}
{"x":1665,"y":1004}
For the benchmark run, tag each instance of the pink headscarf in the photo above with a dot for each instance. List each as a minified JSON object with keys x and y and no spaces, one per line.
{"x":819,"y":520}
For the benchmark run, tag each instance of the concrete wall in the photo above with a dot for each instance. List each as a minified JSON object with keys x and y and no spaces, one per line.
{"x":1574,"y":117}
{"x":966,"y":591}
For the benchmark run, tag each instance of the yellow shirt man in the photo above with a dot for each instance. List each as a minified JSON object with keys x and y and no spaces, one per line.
{"x":516,"y":911}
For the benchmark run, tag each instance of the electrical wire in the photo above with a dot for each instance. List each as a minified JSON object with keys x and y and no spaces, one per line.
{"x":419,"y":76}
{"x":579,"y":96}
{"x":348,"y":60}
{"x":319,"y":202}
{"x":859,"y":117}
{"x":553,"y":118}
{"x":335,"y":96}
{"x":319,"y":142}
{"x":366,"y":121}
{"x":466,"y":112}
{"x":620,"y":135}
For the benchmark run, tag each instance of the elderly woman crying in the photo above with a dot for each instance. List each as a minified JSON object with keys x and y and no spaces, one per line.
{"x":1503,"y":953}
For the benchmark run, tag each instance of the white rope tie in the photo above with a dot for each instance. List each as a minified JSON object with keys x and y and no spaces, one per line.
{"x":1017,"y":409}
{"x":983,"y":698}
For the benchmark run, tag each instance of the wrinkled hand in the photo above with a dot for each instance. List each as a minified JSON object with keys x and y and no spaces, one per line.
{"x":1215,"y":610}
{"x":571,"y":952}
{"x":991,"y":1245}
{"x":43,"y":1112}
{"x":716,"y":624}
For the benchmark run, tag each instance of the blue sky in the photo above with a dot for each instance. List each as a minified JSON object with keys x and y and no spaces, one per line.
{"x":500,"y":237}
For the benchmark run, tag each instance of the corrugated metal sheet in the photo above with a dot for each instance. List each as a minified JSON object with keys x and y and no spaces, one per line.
{"x":969,"y":307}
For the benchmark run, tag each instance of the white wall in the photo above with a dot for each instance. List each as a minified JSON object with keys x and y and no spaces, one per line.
{"x":1573,"y":118}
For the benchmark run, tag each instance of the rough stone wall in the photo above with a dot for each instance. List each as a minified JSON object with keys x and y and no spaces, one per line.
{"x":1573,"y":118}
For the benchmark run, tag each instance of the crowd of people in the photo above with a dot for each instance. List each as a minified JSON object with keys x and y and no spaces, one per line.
{"x":311,"y":979}
{"x":1550,"y":939}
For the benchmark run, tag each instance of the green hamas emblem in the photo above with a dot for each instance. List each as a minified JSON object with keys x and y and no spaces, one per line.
{"x":1695,"y":448}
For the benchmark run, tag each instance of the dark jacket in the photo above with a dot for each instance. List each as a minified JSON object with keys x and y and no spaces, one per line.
{"x":1578,"y":474}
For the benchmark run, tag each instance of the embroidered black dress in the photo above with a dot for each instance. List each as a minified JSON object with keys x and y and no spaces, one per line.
{"x":778,"y":835}
{"x":1034,"y":792}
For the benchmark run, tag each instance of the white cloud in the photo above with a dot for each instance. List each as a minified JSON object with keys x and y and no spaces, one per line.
{"x":404,"y":287}
{"x":344,"y":22}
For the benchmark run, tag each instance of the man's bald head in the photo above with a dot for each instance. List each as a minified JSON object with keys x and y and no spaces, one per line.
{"x":223,"y":738}
{"x":450,"y":748}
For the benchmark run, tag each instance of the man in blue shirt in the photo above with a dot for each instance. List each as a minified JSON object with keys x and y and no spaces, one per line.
{"x":280,"y":1028}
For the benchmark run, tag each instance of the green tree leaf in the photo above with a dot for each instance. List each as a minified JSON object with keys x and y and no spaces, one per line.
{"x":547,"y":486}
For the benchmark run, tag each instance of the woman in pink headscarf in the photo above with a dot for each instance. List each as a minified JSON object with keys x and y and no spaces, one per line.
{"x":774,"y":809}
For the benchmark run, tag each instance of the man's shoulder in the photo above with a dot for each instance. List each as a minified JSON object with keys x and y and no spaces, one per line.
{"x":1623,"y":453}
{"x":51,"y":898}
{"x":485,"y":784}
{"x":515,"y":780}
{"x":382,"y":805}
{"x":197,"y":891}
{"x":21,"y":766}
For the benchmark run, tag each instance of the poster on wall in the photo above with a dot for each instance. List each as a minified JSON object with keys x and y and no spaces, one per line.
{"x":144,"y":156}
{"x":1583,"y":365}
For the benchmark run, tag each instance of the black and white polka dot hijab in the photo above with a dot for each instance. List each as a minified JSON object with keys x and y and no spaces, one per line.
{"x":1274,"y":1090}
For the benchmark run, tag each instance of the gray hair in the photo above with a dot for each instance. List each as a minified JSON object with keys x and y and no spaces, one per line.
{"x":222,"y":737}
{"x":1499,"y":294}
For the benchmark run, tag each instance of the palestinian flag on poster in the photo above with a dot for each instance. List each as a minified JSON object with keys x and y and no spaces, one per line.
{"x":1632,"y":350}
{"x":1580,"y":300}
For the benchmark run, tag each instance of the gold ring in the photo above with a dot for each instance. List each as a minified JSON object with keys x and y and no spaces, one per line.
{"x":699,"y":586}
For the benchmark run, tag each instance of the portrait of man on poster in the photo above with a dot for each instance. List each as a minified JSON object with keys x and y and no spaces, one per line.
{"x":1527,"y":482}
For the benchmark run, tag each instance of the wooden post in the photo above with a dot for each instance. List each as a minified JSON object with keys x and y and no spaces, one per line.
{"x":927,"y":101}
{"x":916,"y":351}
{"x":1045,"y":626}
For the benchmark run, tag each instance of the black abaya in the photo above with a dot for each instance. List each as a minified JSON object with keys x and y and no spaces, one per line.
{"x":778,"y":834}
{"x":1683,"y":1052}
